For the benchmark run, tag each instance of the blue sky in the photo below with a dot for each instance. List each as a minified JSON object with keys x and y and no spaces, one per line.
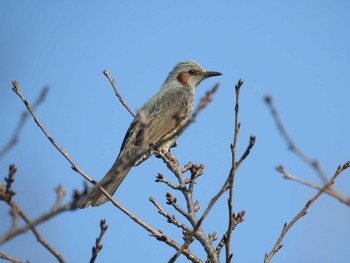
{"x":297,"y":52}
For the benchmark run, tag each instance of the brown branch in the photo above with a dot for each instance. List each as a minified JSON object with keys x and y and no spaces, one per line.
{"x":197,"y":232}
{"x":3,"y":255}
{"x":15,"y":232}
{"x":57,"y":209}
{"x":9,"y":193}
{"x":292,"y":146}
{"x":6,"y":195}
{"x":172,"y":201}
{"x":76,"y":168}
{"x":98,"y":246}
{"x":123,"y":102}
{"x":330,"y":191}
{"x":211,"y":203}
{"x":232,"y":174}
{"x":170,"y":219}
{"x":173,"y":244}
{"x":160,"y":179}
{"x":204,"y":102}
{"x":237,"y":219}
{"x":157,"y":234}
{"x":314,"y":164}
{"x":15,"y":137}
{"x":39,"y":238}
{"x":286,"y":227}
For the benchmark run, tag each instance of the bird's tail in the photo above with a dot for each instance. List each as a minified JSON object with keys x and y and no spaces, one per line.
{"x":110,"y":183}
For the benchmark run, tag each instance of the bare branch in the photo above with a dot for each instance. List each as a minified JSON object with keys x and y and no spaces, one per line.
{"x":60,"y":195}
{"x":158,"y":234}
{"x":236,"y":220}
{"x":160,"y":179}
{"x":123,"y":102}
{"x":314,"y":164}
{"x":329,"y":191}
{"x":197,"y":232}
{"x":39,"y":238}
{"x":6,"y":195}
{"x":57,"y":209}
{"x":292,"y":146}
{"x":218,"y":195}
{"x":286,"y":227}
{"x":170,"y":219}
{"x":5,"y":256}
{"x":76,"y":168}
{"x":98,"y":246}
{"x":15,"y":137}
{"x":234,"y":167}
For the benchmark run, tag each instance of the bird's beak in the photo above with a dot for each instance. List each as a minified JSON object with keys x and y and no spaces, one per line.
{"x":209,"y":74}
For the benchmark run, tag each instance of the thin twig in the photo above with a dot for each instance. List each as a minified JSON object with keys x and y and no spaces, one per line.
{"x":60,"y":195}
{"x":160,"y":179}
{"x":17,"y":231}
{"x":76,"y":168}
{"x":170,"y":219}
{"x":207,"y":210}
{"x":172,"y":201}
{"x":98,"y":246}
{"x":15,"y":137}
{"x":7,"y":197}
{"x":236,"y":220}
{"x":330,"y":191}
{"x":314,"y":164}
{"x":292,"y":146}
{"x":57,"y":209}
{"x":197,"y":232}
{"x":5,"y":256}
{"x":157,"y":234}
{"x":232,"y":175}
{"x":123,"y":102}
{"x":39,"y":238}
{"x":303,"y":211}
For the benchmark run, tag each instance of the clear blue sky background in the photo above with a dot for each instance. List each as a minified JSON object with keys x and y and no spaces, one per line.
{"x":298,"y":52}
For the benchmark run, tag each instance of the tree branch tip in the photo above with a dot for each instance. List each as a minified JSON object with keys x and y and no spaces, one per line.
{"x":15,"y":87}
{"x":252,"y":139}
{"x":230,"y":257}
{"x":239,"y":84}
{"x":268,"y":99}
{"x":279,"y":168}
{"x":241,"y":213}
{"x":105,"y":72}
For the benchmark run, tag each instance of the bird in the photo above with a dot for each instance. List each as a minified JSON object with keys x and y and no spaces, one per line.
{"x":158,"y":123}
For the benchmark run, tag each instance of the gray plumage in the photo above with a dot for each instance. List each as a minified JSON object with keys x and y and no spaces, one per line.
{"x":164,"y":115}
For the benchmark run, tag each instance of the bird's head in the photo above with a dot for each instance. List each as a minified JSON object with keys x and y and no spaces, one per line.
{"x":188,"y":74}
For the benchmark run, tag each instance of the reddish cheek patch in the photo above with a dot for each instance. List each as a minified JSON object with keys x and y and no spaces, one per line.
{"x":183,"y":78}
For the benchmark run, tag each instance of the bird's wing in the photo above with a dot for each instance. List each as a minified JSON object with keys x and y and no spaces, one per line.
{"x":132,"y":128}
{"x":165,"y":120}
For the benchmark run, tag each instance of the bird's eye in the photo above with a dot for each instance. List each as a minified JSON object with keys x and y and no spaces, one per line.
{"x":193,"y":72}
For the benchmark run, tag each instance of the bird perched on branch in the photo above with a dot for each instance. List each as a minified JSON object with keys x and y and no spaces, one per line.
{"x":158,"y":124}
